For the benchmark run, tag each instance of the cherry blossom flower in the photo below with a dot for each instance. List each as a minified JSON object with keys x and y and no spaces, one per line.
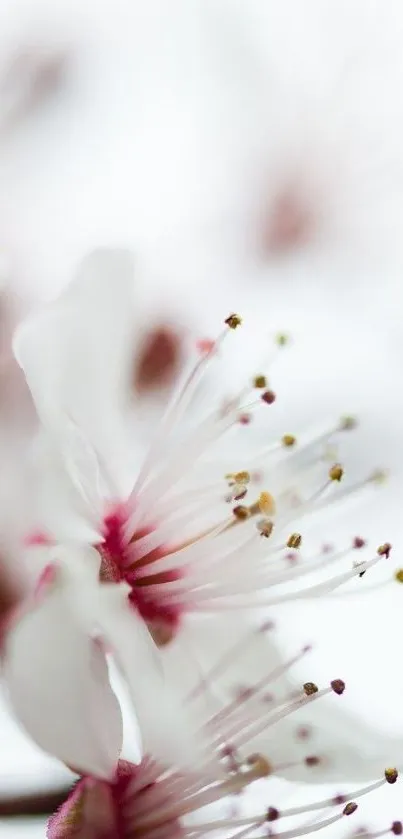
{"x":137,"y":561}
{"x":148,"y":801}
{"x":152,"y":800}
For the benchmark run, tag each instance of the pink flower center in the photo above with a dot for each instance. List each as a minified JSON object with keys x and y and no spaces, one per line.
{"x":149,"y":594}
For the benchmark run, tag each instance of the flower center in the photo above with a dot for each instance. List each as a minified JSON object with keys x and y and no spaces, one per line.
{"x":149,"y":593}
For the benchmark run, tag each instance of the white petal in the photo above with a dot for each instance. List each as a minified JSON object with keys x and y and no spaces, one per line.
{"x":58,"y":684}
{"x":166,"y":730}
{"x":76,"y":353}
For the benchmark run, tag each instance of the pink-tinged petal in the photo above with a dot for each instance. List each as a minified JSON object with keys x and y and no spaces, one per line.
{"x":76,"y":354}
{"x":58,"y":682}
{"x":167,"y":731}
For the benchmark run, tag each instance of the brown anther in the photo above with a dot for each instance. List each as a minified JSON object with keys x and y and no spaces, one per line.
{"x":288,"y":440}
{"x":348,"y":423}
{"x":259,"y":765}
{"x":267,"y":504}
{"x":233,"y":321}
{"x":312,"y":760}
{"x":265,"y":527}
{"x":379,"y":476}
{"x":303,"y":732}
{"x":384,"y":550}
{"x":267,"y":626}
{"x":272,"y":814}
{"x":339,"y":799}
{"x":241,"y":477}
{"x":294,"y":541}
{"x":268,"y":396}
{"x":399,"y":575}
{"x":397,"y":828}
{"x":239,"y":493}
{"x":245,"y":419}
{"x":338,"y":686}
{"x":391,"y":775}
{"x":358,"y":542}
{"x":282,"y":339}
{"x":336,"y":472}
{"x":310,"y":688}
{"x":260,"y":381}
{"x":241,"y":512}
{"x":350,"y":808}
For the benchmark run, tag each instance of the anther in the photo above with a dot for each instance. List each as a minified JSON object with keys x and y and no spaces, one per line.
{"x":294,"y":541}
{"x":348,"y":423}
{"x":233,"y":321}
{"x":391,"y":775}
{"x":282,"y":339}
{"x":350,"y":808}
{"x":385,"y":549}
{"x":268,"y":396}
{"x":241,"y":512}
{"x":312,"y":760}
{"x":265,"y":527}
{"x":336,"y":472}
{"x":260,"y":382}
{"x":358,"y":542}
{"x":288,"y":440}
{"x":245,"y":419}
{"x":238,"y":493}
{"x":272,"y":814}
{"x":266,"y":504}
{"x":310,"y":688}
{"x":379,"y":476}
{"x":259,"y":765}
{"x":399,"y":575}
{"x":338,"y":686}
{"x":242,"y":477}
{"x":397,"y":828}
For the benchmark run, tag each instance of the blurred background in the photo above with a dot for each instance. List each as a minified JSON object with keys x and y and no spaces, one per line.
{"x":251,"y":156}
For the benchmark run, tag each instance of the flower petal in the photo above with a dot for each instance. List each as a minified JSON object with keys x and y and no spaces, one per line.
{"x":58,"y":682}
{"x":167,"y":732}
{"x":76,"y":354}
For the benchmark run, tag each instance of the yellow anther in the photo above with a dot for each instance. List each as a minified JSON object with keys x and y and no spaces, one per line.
{"x":260,"y":381}
{"x":288,"y":440}
{"x":294,"y":541}
{"x":336,"y":472}
{"x":233,"y":321}
{"x":241,"y":477}
{"x":267,"y":505}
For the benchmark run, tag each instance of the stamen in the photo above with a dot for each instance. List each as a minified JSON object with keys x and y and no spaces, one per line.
{"x":233,"y":321}
{"x":336,"y":472}
{"x":260,"y":382}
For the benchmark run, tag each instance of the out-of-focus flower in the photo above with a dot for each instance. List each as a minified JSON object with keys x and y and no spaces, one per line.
{"x":16,"y":428}
{"x":146,"y":558}
{"x":147,"y":800}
